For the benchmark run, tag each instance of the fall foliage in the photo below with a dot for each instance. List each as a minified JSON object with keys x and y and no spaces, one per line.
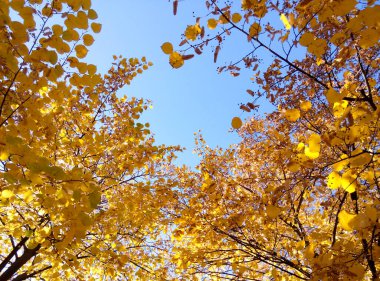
{"x":298,"y":197}
{"x":82,"y":182}
{"x":86,"y":194}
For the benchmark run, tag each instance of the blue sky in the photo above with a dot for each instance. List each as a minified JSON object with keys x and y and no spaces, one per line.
{"x":194,"y":97}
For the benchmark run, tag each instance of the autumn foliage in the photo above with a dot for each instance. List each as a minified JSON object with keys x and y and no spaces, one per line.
{"x":298,"y":197}
{"x":86,"y":194}
{"x":82,"y":184}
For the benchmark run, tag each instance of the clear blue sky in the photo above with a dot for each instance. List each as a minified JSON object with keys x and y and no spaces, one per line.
{"x":185,"y":100}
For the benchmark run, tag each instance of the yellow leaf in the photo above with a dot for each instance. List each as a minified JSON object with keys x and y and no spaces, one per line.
{"x":340,"y":108}
{"x":273,"y":211}
{"x":254,"y":30}
{"x":167,"y":48}
{"x":192,"y":31}
{"x":309,"y":251}
{"x":81,"y":51}
{"x":96,"y":27}
{"x":292,"y":114}
{"x":85,"y":219}
{"x":285,"y":21}
{"x":300,"y":146}
{"x":371,"y":213}
{"x":236,"y":123}
{"x":334,"y":180}
{"x":369,"y":38}
{"x":92,"y":15}
{"x":212,"y":23}
{"x":91,"y":68}
{"x":306,"y":39}
{"x":176,"y":60}
{"x":341,"y":164}
{"x":305,"y":105}
{"x":357,"y":269}
{"x":31,"y":243}
{"x":320,"y":61}
{"x":6,"y":193}
{"x":345,"y":220}
{"x":300,"y":245}
{"x":94,"y":199}
{"x":88,"y":39}
{"x":28,"y":196}
{"x":362,"y":158}
{"x":348,"y":182}
{"x":293,"y":166}
{"x":332,"y":96}
{"x":4,"y":155}
{"x":36,"y":179}
{"x":312,"y":151}
{"x":236,"y":17}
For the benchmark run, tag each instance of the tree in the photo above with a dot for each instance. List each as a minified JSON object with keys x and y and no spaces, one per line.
{"x":82,"y":184}
{"x":298,"y":197}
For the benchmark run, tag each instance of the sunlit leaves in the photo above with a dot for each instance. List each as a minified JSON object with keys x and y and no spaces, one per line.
{"x":285,"y":21}
{"x":334,"y":180}
{"x":345,"y":220}
{"x":313,"y":149}
{"x":167,"y":48}
{"x":176,"y":60}
{"x":305,"y":105}
{"x":301,"y":185}
{"x":332,"y":96}
{"x":70,"y":148}
{"x":348,"y":182}
{"x":4,"y":155}
{"x":6,"y":194}
{"x":292,"y":114}
{"x":192,"y":31}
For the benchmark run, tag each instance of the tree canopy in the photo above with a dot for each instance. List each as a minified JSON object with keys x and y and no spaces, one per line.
{"x":86,"y":194}
{"x":298,"y":197}
{"x":82,"y":181}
